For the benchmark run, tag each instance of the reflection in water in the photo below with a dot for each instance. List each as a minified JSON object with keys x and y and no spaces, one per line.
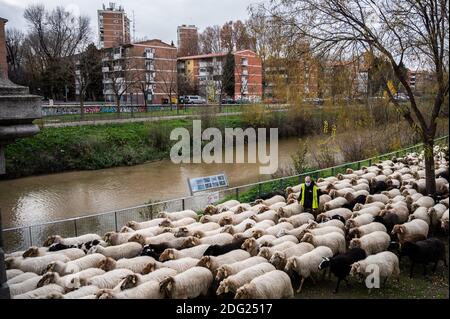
{"x":33,"y":200}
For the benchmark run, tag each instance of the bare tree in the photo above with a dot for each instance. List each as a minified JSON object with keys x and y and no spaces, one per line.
{"x":54,"y":38}
{"x":15,"y":39}
{"x":401,"y":31}
{"x":209,"y":40}
{"x":167,"y":79}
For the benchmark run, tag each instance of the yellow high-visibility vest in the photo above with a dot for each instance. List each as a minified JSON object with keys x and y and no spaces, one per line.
{"x":315,"y":202}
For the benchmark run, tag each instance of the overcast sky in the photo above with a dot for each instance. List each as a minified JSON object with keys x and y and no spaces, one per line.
{"x":154,"y":18}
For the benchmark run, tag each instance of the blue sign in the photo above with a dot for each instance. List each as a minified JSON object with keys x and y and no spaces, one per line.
{"x":201,"y":184}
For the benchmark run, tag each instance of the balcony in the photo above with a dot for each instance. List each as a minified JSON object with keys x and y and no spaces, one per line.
{"x":117,"y":56}
{"x":105,"y":59}
{"x":105,"y":69}
{"x":77,"y":72}
{"x":117,"y":68}
{"x":149,"y":55}
{"x":244,"y":72}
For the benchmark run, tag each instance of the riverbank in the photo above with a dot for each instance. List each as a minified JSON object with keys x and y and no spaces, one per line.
{"x":94,"y":147}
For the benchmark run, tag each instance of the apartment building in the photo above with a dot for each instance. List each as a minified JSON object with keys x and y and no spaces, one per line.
{"x":139,"y":73}
{"x":206,"y":73}
{"x":187,"y":37}
{"x":113,"y":26}
{"x":421,"y":81}
{"x":3,"y":63}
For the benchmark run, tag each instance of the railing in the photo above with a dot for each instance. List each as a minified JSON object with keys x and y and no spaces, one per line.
{"x":20,"y":238}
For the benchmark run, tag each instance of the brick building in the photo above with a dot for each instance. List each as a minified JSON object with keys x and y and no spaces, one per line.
{"x":205,"y":72}
{"x":3,"y":63}
{"x":187,"y":37}
{"x":421,"y":81}
{"x":113,"y":26}
{"x":140,"y":71}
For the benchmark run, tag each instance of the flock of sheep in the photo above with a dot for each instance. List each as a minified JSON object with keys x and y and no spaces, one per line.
{"x":371,"y":216}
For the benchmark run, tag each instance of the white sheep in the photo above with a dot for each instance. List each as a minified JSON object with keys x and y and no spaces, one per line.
{"x":267,"y":215}
{"x":177,"y":223}
{"x":24,"y":286}
{"x":360,"y":220}
{"x":421,"y":213}
{"x":274,"y":230}
{"x":80,"y":293}
{"x":11,"y":273}
{"x":213,"y":263}
{"x":377,"y":198}
{"x":147,"y":290}
{"x":72,"y":253}
{"x":366,"y":229}
{"x":216,"y":218}
{"x":272,"y":285}
{"x":335,"y":241}
{"x":77,"y":280}
{"x":444,"y":221}
{"x":154,"y":240}
{"x":281,"y":239}
{"x":127,"y":250}
{"x":297,"y":232}
{"x":109,"y":279}
{"x":259,"y":208}
{"x":232,"y":283}
{"x":359,"y":206}
{"x":322,"y":231}
{"x":271,"y":201}
{"x":267,"y":252}
{"x":436,"y":212}
{"x":151,"y":223}
{"x":307,"y":265}
{"x":335,"y":203}
{"x":190,"y":230}
{"x":277,"y":206}
{"x":134,"y":280}
{"x":41,"y":292}
{"x":178,"y":215}
{"x":74,"y":266}
{"x":387,"y":262}
{"x":219,"y":239}
{"x":372,"y":243}
{"x":194,"y":252}
{"x":373,"y":210}
{"x":232,"y":269}
{"x":290,"y":210}
{"x":179,"y":265}
{"x":279,"y":258}
{"x":298,"y":220}
{"x":332,"y":222}
{"x":236,"y":219}
{"x":189,"y":284}
{"x":424,"y":201}
{"x":39,"y":265}
{"x":20,"y":278}
{"x":136,"y":264}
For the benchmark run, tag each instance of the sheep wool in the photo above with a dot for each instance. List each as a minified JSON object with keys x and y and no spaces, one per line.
{"x":189,"y":284}
{"x":372,"y":243}
{"x":272,"y":285}
{"x":386,"y":261}
{"x":41,"y":292}
{"x":213,"y":263}
{"x":108,"y":280}
{"x":231,"y":269}
{"x":127,"y":250}
{"x":279,"y":258}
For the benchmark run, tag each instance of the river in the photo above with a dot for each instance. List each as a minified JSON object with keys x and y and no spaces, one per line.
{"x":38,"y":199}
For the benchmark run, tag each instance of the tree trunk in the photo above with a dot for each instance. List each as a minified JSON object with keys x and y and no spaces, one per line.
{"x":430,"y":175}
{"x":118,"y":104}
{"x":82,"y":106}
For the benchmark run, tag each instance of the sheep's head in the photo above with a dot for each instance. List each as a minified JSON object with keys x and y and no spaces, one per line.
{"x":356,"y":270}
{"x":190,"y":241}
{"x":244,"y":292}
{"x":264,"y":252}
{"x":109,"y":237}
{"x":358,"y":206}
{"x":325,"y":263}
{"x":51,"y":240}
{"x":138,"y":238}
{"x":312,"y":224}
{"x":167,"y":254}
{"x":349,"y":197}
{"x":354,"y":233}
{"x":228,"y":220}
{"x":228,"y":229}
{"x":150,"y":267}
{"x":263,"y":208}
{"x":290,"y":201}
{"x":210,"y":210}
{"x":55,"y":295}
{"x":205,"y":261}
{"x":259,"y":201}
{"x":105,"y":294}
{"x":205,"y":219}
{"x":355,"y":243}
{"x":291,"y":265}
{"x":166,"y":223}
{"x":333,"y":193}
{"x":369,"y":199}
{"x":351,"y":223}
{"x":278,"y":259}
{"x":132,"y":224}
{"x":307,"y":238}
{"x":129,"y":282}
{"x":289,"y":190}
{"x":240,"y":209}
{"x":249,"y":244}
{"x":126,"y":229}
{"x":182,"y":232}
{"x":107,"y":264}
{"x":56,"y":266}
{"x":199,"y":234}
{"x":222,"y":273}
{"x":223,"y":288}
{"x":349,"y":171}
{"x":258,"y":233}
{"x":163,"y":215}
{"x":31,"y":252}
{"x":321,"y":217}
{"x":47,"y":279}
{"x":414,"y":206}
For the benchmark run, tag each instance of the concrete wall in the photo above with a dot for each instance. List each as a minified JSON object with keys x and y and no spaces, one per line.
{"x":3,"y":63}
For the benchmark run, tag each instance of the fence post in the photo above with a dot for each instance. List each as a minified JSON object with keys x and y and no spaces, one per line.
{"x":259,"y":190}
{"x":75,"y":227}
{"x":183,"y":205}
{"x":359,"y":165}
{"x":333,"y":171}
{"x":29,"y":234}
{"x":115,"y":221}
{"x":237,"y":193}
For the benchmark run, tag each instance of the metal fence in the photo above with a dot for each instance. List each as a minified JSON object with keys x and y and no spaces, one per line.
{"x":21,"y":238}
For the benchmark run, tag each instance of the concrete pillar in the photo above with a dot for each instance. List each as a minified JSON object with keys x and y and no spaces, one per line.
{"x":4,"y":289}
{"x":3,"y":62}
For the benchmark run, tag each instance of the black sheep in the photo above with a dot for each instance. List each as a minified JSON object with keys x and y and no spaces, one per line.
{"x":148,"y":251}
{"x":339,"y":217}
{"x":389,"y":220}
{"x":271,"y":194}
{"x":340,"y":265}
{"x":361,"y":199}
{"x":378,"y":187}
{"x":86,"y":246}
{"x":59,"y":247}
{"x":217,"y":250}
{"x":424,"y":252}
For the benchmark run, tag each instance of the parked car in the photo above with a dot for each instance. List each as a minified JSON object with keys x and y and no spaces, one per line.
{"x":401,"y":97}
{"x":194,"y":99}
{"x":228,"y":100}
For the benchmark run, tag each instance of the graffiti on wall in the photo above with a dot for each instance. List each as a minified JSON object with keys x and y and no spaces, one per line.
{"x":74,"y":110}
